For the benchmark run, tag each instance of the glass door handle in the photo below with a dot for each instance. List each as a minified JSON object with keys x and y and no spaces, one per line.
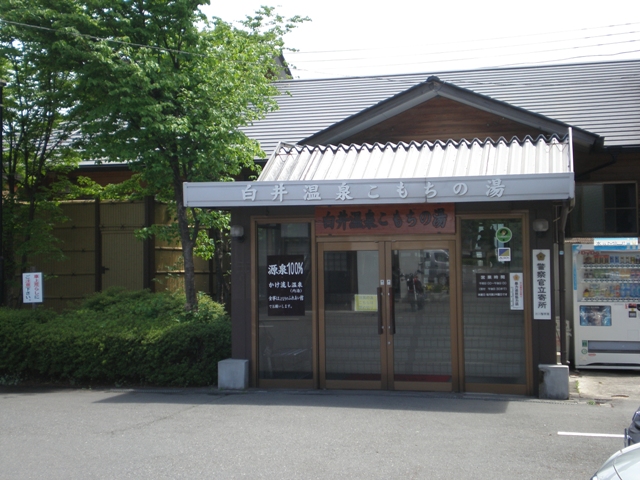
{"x":380,"y":327}
{"x":392,"y":312}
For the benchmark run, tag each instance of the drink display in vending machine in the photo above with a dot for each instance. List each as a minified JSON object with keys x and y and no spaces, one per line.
{"x":606,"y":294}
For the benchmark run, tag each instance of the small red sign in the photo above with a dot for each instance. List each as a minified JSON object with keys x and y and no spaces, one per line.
{"x":424,"y":218}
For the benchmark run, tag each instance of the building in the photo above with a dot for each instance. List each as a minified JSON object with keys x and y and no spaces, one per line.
{"x":409,"y":231}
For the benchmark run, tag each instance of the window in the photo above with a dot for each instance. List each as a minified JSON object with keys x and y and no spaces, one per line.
{"x":605,"y":209}
{"x":284,"y":336}
{"x":494,"y":333}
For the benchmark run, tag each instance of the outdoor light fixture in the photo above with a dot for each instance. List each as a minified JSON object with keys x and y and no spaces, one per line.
{"x":237,"y":232}
{"x":540,"y":225}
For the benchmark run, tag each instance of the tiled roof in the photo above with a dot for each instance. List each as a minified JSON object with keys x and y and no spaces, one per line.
{"x":601,"y":98}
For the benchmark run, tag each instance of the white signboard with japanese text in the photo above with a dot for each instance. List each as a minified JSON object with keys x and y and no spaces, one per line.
{"x":615,"y":242}
{"x":516,"y":291}
{"x":622,"y":244}
{"x":32,"y":288}
{"x":380,"y":191}
{"x":542,"y":294}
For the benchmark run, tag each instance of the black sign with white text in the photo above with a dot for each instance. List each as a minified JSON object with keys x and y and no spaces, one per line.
{"x":285,"y":285}
{"x":492,"y":284}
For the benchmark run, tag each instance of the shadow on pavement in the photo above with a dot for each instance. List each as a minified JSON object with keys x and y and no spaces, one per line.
{"x":413,"y":401}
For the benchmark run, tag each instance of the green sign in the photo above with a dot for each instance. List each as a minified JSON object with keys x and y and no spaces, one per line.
{"x":503,"y":234}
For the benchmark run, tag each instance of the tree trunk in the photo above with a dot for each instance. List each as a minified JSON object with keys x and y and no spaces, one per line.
{"x":188,"y":243}
{"x":222,"y":287}
{"x":9,"y":253}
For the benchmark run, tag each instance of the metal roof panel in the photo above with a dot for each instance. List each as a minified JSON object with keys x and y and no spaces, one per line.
{"x":602,"y":98}
{"x":543,"y":155}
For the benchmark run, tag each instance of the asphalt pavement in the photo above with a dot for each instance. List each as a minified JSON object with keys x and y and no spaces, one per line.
{"x":204,"y":433}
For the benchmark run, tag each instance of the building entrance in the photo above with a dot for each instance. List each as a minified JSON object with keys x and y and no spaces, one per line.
{"x":387,"y":315}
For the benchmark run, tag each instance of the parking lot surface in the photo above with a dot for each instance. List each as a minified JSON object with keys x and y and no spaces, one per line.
{"x":205,"y":433}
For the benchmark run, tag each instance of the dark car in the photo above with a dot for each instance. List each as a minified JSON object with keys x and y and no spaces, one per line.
{"x":632,"y":434}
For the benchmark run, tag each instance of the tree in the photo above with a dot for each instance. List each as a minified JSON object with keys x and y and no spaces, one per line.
{"x":37,"y":154}
{"x":165,"y":91}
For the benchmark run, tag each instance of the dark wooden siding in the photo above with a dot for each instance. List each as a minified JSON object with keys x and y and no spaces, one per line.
{"x":442,"y":119}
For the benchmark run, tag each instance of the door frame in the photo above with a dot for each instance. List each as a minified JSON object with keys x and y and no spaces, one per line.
{"x":384,"y":246}
{"x":256,"y":222}
{"x":431,"y":244}
{"x":342,"y":384}
{"x":517,"y":389}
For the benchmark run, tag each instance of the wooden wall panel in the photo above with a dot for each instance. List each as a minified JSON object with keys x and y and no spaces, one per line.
{"x":168,"y":258}
{"x":161,"y":214}
{"x":74,"y":277}
{"x":71,"y":287}
{"x":76,"y":263}
{"x":442,"y":119}
{"x":121,"y":214}
{"x":80,"y":214}
{"x":76,"y":239}
{"x":607,"y":168}
{"x":169,"y":282}
{"x":202,"y":282}
{"x":122,"y":254}
{"x":201,"y":265}
{"x":122,"y":257}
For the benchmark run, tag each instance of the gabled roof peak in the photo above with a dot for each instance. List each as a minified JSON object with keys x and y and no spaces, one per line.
{"x":434,"y":87}
{"x":598,"y":97}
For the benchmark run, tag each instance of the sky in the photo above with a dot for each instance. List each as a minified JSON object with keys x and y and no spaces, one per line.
{"x":345,"y":38}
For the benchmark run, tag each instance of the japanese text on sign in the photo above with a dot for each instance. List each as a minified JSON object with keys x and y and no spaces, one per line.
{"x":285,"y":285}
{"x":516,"y":285}
{"x":492,"y":285}
{"x":541,"y":285}
{"x":344,"y":191}
{"x":32,"y":288}
{"x":396,"y":219}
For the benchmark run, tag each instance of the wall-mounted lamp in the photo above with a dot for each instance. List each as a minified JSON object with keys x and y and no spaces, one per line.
{"x":237,"y":232}
{"x":540,"y":226}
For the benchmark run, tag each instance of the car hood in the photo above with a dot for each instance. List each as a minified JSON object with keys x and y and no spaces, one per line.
{"x":624,"y":465}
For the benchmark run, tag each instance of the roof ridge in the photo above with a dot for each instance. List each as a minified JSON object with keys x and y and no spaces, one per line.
{"x":469,"y":70}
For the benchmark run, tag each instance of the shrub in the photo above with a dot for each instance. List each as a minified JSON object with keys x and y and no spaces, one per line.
{"x":117,"y":337}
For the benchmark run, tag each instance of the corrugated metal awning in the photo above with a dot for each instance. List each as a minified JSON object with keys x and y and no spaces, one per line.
{"x":476,"y":171}
{"x":418,"y":160}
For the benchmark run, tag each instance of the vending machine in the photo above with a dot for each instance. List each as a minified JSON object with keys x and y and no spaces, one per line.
{"x":606,"y":294}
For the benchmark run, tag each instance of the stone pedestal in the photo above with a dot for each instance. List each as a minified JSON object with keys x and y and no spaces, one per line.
{"x":233,"y":374}
{"x":554,"y":382}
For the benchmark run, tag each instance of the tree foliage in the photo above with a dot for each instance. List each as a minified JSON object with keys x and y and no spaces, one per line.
{"x":37,"y":126}
{"x":167,"y":92}
{"x":150,"y":83}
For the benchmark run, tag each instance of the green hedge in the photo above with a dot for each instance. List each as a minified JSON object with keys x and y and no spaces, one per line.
{"x":116,"y":338}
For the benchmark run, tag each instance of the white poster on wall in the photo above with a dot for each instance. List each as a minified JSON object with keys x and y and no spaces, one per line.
{"x":516,"y":291}
{"x":32,"y":287}
{"x":541,"y":262}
